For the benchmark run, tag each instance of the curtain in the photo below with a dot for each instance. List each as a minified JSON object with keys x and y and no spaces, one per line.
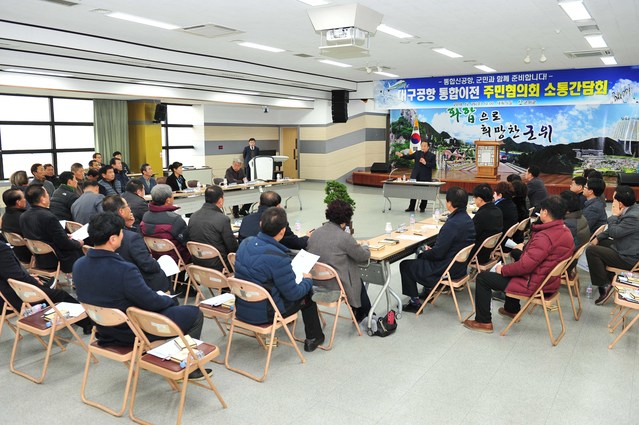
{"x":111,"y":128}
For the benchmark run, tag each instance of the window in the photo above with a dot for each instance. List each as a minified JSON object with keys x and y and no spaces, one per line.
{"x":37,"y":129}
{"x":178,"y":134}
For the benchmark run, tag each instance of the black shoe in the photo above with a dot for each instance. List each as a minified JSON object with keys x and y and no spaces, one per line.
{"x":424,"y":294}
{"x":421,"y":210}
{"x":409,"y":210}
{"x":604,"y":294}
{"x":244,"y":213}
{"x":311,"y":344}
{"x":236,"y":215}
{"x":197,"y":375}
{"x":411,"y":307}
{"x":87,"y":329}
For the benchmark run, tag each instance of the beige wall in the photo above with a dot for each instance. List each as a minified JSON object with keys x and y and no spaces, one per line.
{"x":335,"y":164}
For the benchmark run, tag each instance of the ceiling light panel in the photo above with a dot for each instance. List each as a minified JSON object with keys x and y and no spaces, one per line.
{"x":485,"y":68}
{"x":314,"y":2}
{"x":260,"y":47}
{"x":609,"y":60}
{"x":141,"y":20}
{"x":386,"y":74}
{"x":394,"y":32}
{"x":446,"y":52}
{"x":334,"y":63}
{"x":575,"y":9}
{"x":37,"y":72}
{"x":596,"y":41}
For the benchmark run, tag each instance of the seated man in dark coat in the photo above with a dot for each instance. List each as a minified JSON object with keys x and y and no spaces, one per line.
{"x":134,"y":196}
{"x":133,"y":249}
{"x":235,"y":174}
{"x":488,"y":220}
{"x":211,"y":226}
{"x":38,"y":223}
{"x":64,"y":196}
{"x":251,"y":224}
{"x":10,"y":268}
{"x":16,"y":204}
{"x":457,"y":233}
{"x":105,"y":279}
{"x":265,"y":261}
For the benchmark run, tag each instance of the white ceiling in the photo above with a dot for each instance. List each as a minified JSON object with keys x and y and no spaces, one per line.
{"x":99,"y":51}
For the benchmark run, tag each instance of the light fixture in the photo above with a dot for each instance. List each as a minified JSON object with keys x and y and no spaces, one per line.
{"x":446,"y":52}
{"x":314,"y":2}
{"x":260,"y":47}
{"x":334,"y":63}
{"x":248,"y":93}
{"x":527,"y":58}
{"x":596,"y":41}
{"x":387,"y":74}
{"x":394,"y":32}
{"x":543,"y":57}
{"x":485,"y":68}
{"x":141,"y":20}
{"x":609,"y":60}
{"x":159,"y":83}
{"x":29,"y":71}
{"x":575,"y":9}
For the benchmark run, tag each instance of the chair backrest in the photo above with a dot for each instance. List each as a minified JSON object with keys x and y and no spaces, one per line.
{"x":203,"y":251}
{"x":460,"y":257}
{"x":530,"y":211}
{"x":261,"y":167}
{"x":14,"y":239}
{"x":597,"y":232}
{"x":231,"y":257}
{"x":72,"y":226}
{"x":491,"y":242}
{"x":555,"y":272}
{"x":162,"y":246}
{"x":39,"y":247}
{"x":104,"y":316}
{"x":191,"y":183}
{"x":510,"y":232}
{"x":521,"y":227}
{"x":252,"y":293}
{"x":147,"y":322}
{"x":86,"y":248}
{"x":206,"y":277}
{"x":323,"y":272}
{"x":29,"y":293}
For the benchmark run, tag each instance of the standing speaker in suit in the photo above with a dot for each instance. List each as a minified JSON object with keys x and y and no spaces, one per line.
{"x":425,"y":163}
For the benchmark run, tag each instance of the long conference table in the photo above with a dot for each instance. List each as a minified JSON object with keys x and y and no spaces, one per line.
{"x":191,"y":200}
{"x":378,"y":271}
{"x":410,"y":189}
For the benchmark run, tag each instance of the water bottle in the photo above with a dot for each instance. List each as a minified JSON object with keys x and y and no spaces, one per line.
{"x":225,"y":182}
{"x":198,"y":353}
{"x":388,"y":229}
{"x":347,"y":229}
{"x":436,"y":215}
{"x":404,"y":178}
{"x":589,"y":291}
{"x":34,"y":309}
{"x":298,"y":226}
{"x":412,"y":222}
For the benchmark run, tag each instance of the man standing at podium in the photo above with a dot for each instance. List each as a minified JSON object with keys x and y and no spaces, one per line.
{"x":250,"y":152}
{"x":425,"y":163}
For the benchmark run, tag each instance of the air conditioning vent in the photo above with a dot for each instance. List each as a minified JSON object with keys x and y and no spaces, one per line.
{"x":597,"y":53}
{"x":210,"y":30}
{"x":64,"y":2}
{"x":303,"y":55}
{"x":588,"y":28}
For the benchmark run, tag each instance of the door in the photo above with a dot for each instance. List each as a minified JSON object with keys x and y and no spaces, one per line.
{"x":290,"y":149}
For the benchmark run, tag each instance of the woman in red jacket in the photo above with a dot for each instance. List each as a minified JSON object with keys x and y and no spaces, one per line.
{"x":550,"y":244}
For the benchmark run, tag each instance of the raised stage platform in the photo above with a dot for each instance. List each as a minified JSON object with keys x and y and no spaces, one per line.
{"x":467,"y":180}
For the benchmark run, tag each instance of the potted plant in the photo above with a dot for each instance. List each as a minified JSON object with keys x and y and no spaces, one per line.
{"x":336,"y":190}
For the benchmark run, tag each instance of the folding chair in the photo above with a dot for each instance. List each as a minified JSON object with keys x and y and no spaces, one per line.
{"x":125,"y":355}
{"x":146,"y":322}
{"x":508,"y":235}
{"x":14,"y":240}
{"x":573,"y":284}
{"x":231,"y":258}
{"x":624,"y":308}
{"x":251,"y":293}
{"x":72,"y":226}
{"x":492,"y":243}
{"x":8,"y":312}
{"x":447,"y":281}
{"x":597,"y":232}
{"x":164,"y":246}
{"x":37,"y":326}
{"x":546,"y":302}
{"x":323,"y":272}
{"x":617,"y":272}
{"x":86,"y":248}
{"x":41,"y":248}
{"x":203,"y":251}
{"x":214,"y":281}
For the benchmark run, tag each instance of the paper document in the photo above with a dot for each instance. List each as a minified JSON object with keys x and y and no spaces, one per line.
{"x":164,"y":294}
{"x":410,"y":238}
{"x":495,"y":267}
{"x":168,"y":349}
{"x":63,"y":223}
{"x":510,"y":243}
{"x":431,"y":227}
{"x":168,"y":265}
{"x":81,"y":234}
{"x":219,"y":300}
{"x":74,"y":310}
{"x":303,"y":263}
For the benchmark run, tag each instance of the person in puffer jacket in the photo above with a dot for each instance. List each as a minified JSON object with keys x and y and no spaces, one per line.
{"x":263,"y":260}
{"x":551,"y":243}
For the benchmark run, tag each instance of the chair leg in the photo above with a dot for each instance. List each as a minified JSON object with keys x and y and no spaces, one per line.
{"x":213,"y":388}
{"x":336,"y":318}
{"x":553,"y":341}
{"x":350,"y":310}
{"x":46,"y":358}
{"x":428,"y":298}
{"x":616,"y":311}
{"x":452,"y":292}
{"x":625,"y":329}
{"x":621,"y":318}
{"x":472,"y":302}
{"x":516,"y":318}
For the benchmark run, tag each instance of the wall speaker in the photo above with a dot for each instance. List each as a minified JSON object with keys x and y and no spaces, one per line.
{"x":628,"y":179}
{"x":380,"y":167}
{"x":339,"y":107}
{"x":160,"y":113}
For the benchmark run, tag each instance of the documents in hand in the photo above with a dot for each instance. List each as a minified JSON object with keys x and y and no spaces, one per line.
{"x":303,"y":263}
{"x":226,"y":300}
{"x":171,"y":351}
{"x":510,"y":243}
{"x":81,"y":234}
{"x":164,"y":294}
{"x":168,"y":265}
{"x":495,"y":267}
{"x":67,"y":309}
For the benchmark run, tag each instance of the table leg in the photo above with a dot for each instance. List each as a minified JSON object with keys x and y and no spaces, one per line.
{"x":386,"y":290}
{"x":387,"y":199}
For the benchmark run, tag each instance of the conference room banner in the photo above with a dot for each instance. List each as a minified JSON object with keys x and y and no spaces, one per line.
{"x":590,"y":86}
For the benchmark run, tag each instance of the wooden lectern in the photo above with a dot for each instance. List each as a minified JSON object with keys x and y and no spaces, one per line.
{"x":487,"y":158}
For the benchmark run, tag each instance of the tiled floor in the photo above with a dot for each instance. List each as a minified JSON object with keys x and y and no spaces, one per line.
{"x":431,"y":371}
